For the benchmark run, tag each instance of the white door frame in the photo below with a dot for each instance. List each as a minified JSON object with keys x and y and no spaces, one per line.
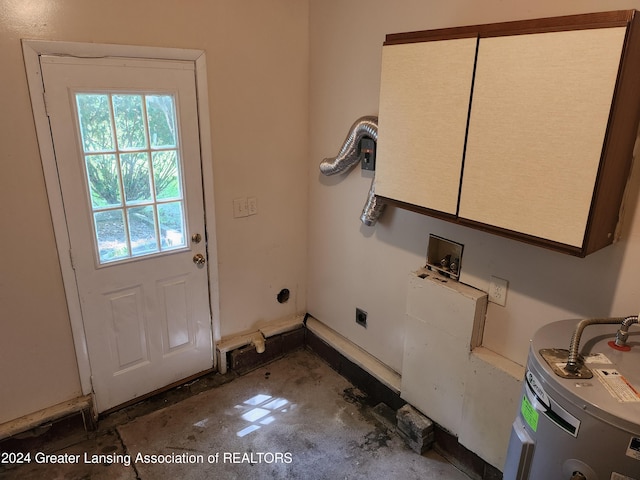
{"x":32,"y":49}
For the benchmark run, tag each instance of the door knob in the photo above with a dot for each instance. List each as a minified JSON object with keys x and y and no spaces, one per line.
{"x":199,"y":259}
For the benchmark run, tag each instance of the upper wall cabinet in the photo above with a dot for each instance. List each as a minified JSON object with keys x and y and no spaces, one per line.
{"x":524,"y":129}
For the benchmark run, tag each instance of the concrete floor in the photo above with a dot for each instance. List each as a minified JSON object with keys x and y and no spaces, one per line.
{"x":295,"y":418}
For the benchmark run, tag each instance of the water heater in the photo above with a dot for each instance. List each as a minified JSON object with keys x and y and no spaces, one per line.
{"x":579,"y":416}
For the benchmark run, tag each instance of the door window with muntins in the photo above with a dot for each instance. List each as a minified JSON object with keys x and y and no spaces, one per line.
{"x":131,"y":152}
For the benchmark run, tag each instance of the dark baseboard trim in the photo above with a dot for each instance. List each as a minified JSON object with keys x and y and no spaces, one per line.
{"x":376,"y":391}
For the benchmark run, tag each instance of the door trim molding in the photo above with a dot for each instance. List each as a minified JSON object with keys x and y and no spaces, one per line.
{"x":32,"y":49}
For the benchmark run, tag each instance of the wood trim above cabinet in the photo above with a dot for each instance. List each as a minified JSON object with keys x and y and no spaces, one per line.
{"x":616,"y":156}
{"x":619,"y":18}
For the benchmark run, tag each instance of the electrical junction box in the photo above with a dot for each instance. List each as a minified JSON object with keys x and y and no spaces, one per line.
{"x":367,"y":148}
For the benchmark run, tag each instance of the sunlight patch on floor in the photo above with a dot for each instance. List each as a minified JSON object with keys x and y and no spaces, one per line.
{"x":259,"y":411}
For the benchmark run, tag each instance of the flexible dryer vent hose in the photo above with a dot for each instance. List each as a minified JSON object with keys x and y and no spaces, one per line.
{"x":350,"y":155}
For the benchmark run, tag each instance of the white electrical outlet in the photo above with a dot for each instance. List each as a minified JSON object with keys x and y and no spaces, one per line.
{"x":498,"y":290}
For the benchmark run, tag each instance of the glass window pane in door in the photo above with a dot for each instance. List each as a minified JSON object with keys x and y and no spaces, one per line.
{"x":162,"y":121}
{"x":129,"y":120}
{"x":111,"y":235}
{"x":142,"y":230}
{"x":103,"y":178}
{"x":94,"y":115}
{"x":171,"y":220}
{"x":166,"y":173}
{"x":136,"y":177}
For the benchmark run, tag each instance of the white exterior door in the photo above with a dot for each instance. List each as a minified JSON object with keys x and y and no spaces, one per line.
{"x":126,"y":141}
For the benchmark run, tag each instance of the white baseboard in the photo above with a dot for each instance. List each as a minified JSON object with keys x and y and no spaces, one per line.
{"x":357,"y":355}
{"x":267,"y":330}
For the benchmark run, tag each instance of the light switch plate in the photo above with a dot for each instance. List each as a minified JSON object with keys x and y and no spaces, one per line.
{"x":240,"y":207}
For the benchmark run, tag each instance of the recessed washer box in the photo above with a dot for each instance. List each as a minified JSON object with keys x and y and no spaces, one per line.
{"x":444,"y":256}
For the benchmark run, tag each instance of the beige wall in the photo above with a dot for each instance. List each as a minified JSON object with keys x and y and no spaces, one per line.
{"x":354,"y":266}
{"x":257,"y":58}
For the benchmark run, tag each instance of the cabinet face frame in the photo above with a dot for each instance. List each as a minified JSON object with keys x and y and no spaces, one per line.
{"x":617,"y":151}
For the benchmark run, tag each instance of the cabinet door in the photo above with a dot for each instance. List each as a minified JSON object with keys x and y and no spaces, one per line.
{"x":424,"y":104}
{"x":538,"y":120}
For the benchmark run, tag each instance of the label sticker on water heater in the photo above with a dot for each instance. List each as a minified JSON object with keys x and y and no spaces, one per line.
{"x":529,"y":413}
{"x":617,"y":385}
{"x":537,"y":401}
{"x":634,"y":448}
